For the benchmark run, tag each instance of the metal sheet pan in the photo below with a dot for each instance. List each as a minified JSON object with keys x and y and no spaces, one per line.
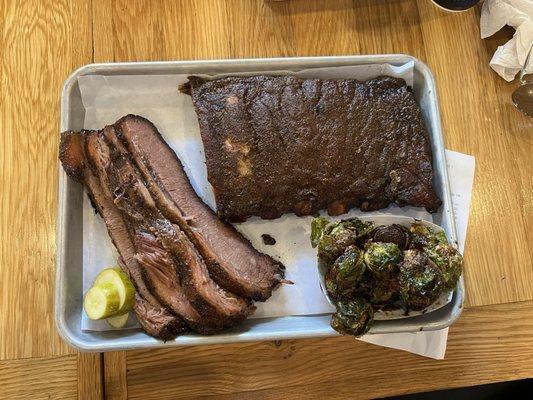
{"x":68,"y":294}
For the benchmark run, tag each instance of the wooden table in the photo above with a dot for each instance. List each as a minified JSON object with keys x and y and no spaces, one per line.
{"x":41,"y":42}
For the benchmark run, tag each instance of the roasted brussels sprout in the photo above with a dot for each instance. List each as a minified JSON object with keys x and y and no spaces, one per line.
{"x":329,"y":250}
{"x":450,"y":262}
{"x":353,"y":317}
{"x":382,"y":259}
{"x":423,"y":236}
{"x":317,"y":227}
{"x":363,"y":228}
{"x":347,"y":271}
{"x":395,"y":233}
{"x":421,"y":280}
{"x":384,"y":292}
{"x":368,"y":268}
{"x":338,"y":235}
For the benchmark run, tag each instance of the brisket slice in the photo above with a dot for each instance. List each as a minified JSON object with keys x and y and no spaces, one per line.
{"x":153,"y":317}
{"x":162,"y":277}
{"x":166,"y":326}
{"x":232,"y":262}
{"x":159,"y":271}
{"x":156,"y":321}
{"x":218,"y":307}
{"x":279,"y":144}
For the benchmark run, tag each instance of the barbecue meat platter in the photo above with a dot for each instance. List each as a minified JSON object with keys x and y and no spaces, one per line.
{"x":273,"y":145}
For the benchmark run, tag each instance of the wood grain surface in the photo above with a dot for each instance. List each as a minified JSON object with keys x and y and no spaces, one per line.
{"x":115,"y":380}
{"x":39,"y":378}
{"x":487,"y":344}
{"x":59,"y":377}
{"x":42,"y":41}
{"x":90,"y":369}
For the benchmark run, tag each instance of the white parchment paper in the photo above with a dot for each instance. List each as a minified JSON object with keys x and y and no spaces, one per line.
{"x":107,"y":98}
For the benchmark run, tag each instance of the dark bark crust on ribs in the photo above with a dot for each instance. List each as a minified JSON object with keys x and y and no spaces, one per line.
{"x":279,"y":144}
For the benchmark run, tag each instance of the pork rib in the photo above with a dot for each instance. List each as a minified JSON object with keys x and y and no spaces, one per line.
{"x":281,"y":144}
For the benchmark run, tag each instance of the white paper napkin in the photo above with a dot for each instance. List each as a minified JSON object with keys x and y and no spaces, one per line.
{"x":509,"y":58}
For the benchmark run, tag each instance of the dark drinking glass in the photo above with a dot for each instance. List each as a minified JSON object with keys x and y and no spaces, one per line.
{"x":455,"y":5}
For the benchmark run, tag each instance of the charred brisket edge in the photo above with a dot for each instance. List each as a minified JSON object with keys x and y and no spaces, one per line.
{"x":75,"y":172}
{"x":218,"y":274}
{"x":205,"y":325}
{"x":202,"y":327}
{"x":199,"y":303}
{"x":167,"y":331}
{"x":174,"y":325}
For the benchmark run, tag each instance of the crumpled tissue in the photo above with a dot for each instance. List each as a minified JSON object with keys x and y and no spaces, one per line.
{"x":509,"y":59}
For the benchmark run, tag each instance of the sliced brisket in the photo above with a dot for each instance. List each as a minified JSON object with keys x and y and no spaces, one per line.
{"x":233,"y":263}
{"x":190,"y":269}
{"x":217,"y":307}
{"x":279,"y":144}
{"x":153,"y":317}
{"x":156,"y":321}
{"x":162,"y":277}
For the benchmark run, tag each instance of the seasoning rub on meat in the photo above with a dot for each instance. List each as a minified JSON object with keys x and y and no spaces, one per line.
{"x":280,"y":144}
{"x":191,"y":270}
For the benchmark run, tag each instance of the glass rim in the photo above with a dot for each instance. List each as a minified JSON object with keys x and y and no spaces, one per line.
{"x":452,"y":9}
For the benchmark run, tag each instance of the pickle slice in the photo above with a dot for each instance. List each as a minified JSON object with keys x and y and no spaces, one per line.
{"x":118,"y":321}
{"x":101,"y":301}
{"x":125,"y":288}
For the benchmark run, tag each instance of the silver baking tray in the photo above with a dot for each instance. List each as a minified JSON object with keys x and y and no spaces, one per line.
{"x":68,"y":294}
